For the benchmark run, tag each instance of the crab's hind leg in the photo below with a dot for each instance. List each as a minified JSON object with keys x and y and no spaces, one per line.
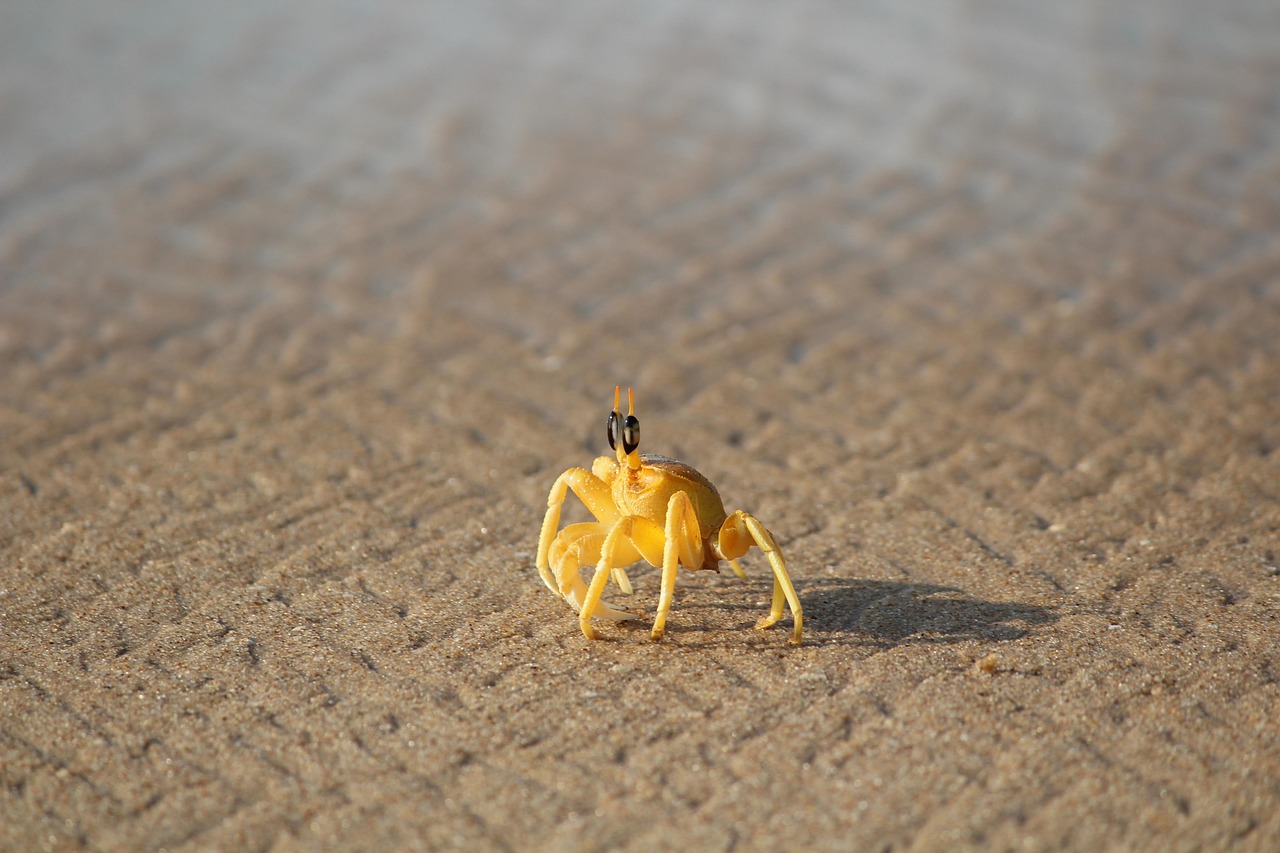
{"x":739,"y":532}
{"x":619,"y":576}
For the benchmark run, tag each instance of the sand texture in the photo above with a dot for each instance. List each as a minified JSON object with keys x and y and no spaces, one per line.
{"x":304,"y":308}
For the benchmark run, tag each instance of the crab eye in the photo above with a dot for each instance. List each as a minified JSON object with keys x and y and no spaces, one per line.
{"x":614,"y":429}
{"x":631,"y":434}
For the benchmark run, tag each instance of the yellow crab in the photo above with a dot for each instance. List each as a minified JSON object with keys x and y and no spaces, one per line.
{"x":654,"y":508}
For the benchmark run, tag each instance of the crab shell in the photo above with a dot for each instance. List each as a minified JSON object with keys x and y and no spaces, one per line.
{"x":647,"y":490}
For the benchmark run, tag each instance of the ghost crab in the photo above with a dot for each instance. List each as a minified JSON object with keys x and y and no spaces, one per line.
{"x":650,"y":507}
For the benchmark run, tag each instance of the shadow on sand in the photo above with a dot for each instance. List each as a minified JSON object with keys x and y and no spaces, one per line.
{"x":894,"y":612}
{"x":859,"y":612}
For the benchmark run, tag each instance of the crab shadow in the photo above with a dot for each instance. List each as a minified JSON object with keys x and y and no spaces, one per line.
{"x":856,"y":612}
{"x":896,"y":612}
{"x":891,"y":613}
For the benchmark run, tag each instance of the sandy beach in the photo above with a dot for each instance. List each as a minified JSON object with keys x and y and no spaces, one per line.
{"x":975,"y":306}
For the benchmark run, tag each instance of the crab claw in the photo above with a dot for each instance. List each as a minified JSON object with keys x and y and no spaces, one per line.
{"x":574,"y":545}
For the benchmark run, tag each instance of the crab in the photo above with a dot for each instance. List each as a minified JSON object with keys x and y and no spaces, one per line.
{"x":653,"y":508}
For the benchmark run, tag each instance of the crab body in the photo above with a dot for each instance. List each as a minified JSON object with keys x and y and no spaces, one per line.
{"x":647,"y":491}
{"x":653,"y":508}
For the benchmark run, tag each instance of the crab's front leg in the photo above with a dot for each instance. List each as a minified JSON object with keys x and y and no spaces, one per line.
{"x":683,"y":543}
{"x":630,"y":539}
{"x":738,"y":533}
{"x":577,"y":545}
{"x":592,"y":491}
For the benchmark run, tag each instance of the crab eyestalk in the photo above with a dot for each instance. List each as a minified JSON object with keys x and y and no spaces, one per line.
{"x":631,"y":435}
{"x":624,"y":433}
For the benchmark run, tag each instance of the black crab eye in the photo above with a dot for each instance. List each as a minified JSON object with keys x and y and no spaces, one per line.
{"x":631,"y":434}
{"x":615,"y":429}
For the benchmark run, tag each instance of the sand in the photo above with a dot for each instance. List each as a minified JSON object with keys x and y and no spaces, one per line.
{"x":977,"y":307}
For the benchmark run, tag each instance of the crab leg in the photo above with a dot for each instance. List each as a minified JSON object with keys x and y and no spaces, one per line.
{"x":630,"y":539}
{"x":592,"y":491}
{"x":738,"y":533}
{"x":575,"y":545}
{"x":564,"y":539}
{"x":683,"y":544}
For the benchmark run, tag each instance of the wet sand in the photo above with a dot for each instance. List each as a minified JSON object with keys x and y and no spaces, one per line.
{"x":976,"y":308}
